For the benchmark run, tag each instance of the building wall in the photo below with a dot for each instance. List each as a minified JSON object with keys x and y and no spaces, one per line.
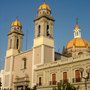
{"x":19,"y":71}
{"x":7,"y":74}
{"x":37,"y":55}
{"x":58,"y":67}
{"x":48,"y":54}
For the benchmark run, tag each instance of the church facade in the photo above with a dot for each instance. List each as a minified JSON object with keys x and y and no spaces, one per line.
{"x":42,"y":66}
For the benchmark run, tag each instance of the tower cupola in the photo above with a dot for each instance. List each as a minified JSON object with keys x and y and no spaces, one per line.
{"x":16,"y":25}
{"x":44,"y":6}
{"x":44,"y":9}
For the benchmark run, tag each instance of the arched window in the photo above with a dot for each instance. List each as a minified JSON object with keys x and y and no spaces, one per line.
{"x":39,"y":30}
{"x":77,"y":75}
{"x":17,"y":44}
{"x":54,"y":79}
{"x":48,"y":30}
{"x":10,"y":44}
{"x":64,"y":77}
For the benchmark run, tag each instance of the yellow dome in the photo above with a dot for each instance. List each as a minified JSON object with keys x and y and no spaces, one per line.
{"x":78,"y":42}
{"x":16,"y":23}
{"x":44,"y":6}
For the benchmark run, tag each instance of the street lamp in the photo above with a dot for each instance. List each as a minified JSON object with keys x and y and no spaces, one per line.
{"x":26,"y":85}
{"x":86,"y":77}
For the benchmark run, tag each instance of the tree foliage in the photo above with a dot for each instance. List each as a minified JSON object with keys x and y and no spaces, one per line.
{"x":65,"y":86}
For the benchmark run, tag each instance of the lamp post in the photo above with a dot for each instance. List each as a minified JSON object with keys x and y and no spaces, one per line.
{"x":85,"y":77}
{"x":26,"y":85}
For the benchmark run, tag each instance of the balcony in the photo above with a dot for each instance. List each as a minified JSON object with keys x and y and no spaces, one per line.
{"x":76,"y":80}
{"x":52,"y":82}
{"x":64,"y":81}
{"x":55,"y":82}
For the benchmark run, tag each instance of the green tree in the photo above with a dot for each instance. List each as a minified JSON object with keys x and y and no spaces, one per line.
{"x":65,"y":86}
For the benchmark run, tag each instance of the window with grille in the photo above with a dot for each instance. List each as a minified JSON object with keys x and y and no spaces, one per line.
{"x":77,"y":75}
{"x":64,"y":77}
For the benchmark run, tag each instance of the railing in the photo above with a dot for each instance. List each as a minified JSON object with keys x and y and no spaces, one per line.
{"x":52,"y":82}
{"x":75,"y":80}
{"x":64,"y":81}
{"x":55,"y":82}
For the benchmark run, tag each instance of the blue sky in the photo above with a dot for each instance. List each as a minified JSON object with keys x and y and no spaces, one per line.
{"x":63,"y":11}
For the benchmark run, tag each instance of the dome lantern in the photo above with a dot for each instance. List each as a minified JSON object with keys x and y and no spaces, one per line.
{"x":77,"y":32}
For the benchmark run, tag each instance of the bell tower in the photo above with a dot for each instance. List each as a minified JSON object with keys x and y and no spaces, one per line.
{"x":43,"y":47}
{"x":14,"y":38}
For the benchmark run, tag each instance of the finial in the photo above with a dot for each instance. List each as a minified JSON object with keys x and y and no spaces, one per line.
{"x":44,"y":1}
{"x":16,"y":17}
{"x":76,"y":20}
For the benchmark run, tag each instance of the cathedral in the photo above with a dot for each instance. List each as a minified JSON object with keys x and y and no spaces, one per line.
{"x":41,"y":66}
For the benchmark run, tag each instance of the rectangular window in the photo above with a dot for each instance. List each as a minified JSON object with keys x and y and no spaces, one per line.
{"x":24,"y":63}
{"x":10,"y":44}
{"x":40,"y":81}
{"x":17,"y":44}
{"x":65,"y":77}
{"x":77,"y":75}
{"x":54,"y":79}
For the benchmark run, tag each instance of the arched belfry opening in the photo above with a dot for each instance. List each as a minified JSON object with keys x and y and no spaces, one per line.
{"x":48,"y":30}
{"x":39,"y":30}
